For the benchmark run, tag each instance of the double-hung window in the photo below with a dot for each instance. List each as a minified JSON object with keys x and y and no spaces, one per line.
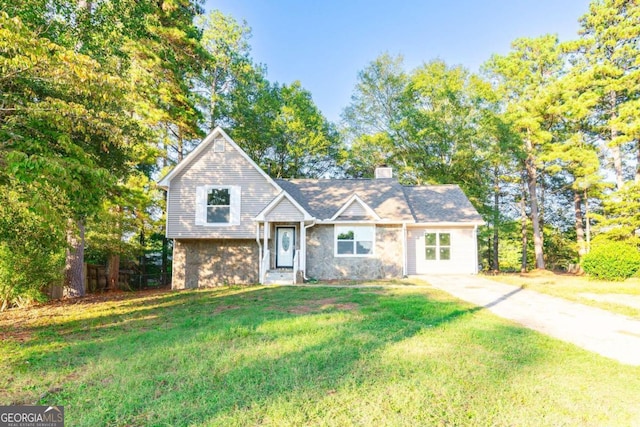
{"x":218,"y":205}
{"x":437,"y":246}
{"x":354,"y":240}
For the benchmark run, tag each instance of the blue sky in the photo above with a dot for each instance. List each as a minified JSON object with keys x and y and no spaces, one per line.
{"x":324,"y":44}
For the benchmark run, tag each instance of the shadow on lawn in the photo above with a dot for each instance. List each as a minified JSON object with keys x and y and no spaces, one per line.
{"x":176,"y":345}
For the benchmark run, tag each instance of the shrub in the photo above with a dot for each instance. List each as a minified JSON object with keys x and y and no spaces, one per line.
{"x":612,"y":261}
{"x":25,"y":271}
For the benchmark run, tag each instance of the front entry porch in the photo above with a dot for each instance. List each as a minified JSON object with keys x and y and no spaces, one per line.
{"x":282,"y":249}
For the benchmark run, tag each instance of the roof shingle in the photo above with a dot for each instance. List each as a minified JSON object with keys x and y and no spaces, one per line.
{"x":322,"y":198}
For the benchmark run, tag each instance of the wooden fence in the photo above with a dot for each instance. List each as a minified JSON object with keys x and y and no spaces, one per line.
{"x":96,"y":281}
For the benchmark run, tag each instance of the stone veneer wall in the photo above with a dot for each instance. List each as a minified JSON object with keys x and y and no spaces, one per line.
{"x":323,"y":265}
{"x":205,"y":263}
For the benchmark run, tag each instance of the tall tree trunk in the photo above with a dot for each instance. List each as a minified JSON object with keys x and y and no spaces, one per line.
{"x":542,"y":189}
{"x":165,"y":261}
{"x":113,"y":271}
{"x":180,"y":146}
{"x":523,"y":228}
{"x":587,"y":220}
{"x":615,"y":149}
{"x":579,"y":220}
{"x":165,"y":247}
{"x":532,"y":184}
{"x":617,"y":164}
{"x":143,"y":259}
{"x":212,"y":105}
{"x":74,"y":264}
{"x":637,"y":180}
{"x":113,"y":262}
{"x":496,"y":219}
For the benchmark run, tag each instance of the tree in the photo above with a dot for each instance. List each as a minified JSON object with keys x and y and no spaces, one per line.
{"x":64,"y":122}
{"x":608,"y":55}
{"x":522,"y":78}
{"x":500,"y":155}
{"x":228,"y":66}
{"x":441,"y":124}
{"x":572,"y":158}
{"x":81,"y":101}
{"x":370,"y":121}
{"x":281,"y":128}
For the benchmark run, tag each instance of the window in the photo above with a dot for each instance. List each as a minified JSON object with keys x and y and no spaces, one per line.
{"x":354,"y":240}
{"x":437,"y":246}
{"x":218,"y":205}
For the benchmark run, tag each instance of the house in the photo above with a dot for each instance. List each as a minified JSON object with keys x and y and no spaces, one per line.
{"x":232,"y":223}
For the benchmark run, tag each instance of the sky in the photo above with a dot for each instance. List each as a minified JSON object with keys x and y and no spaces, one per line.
{"x":324,"y":44}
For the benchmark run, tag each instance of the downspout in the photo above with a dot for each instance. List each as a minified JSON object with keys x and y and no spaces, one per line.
{"x":259,"y":252}
{"x":404,"y":249}
{"x":304,"y":270}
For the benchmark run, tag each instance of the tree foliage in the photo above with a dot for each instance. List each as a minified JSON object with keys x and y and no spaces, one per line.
{"x":97,"y":96}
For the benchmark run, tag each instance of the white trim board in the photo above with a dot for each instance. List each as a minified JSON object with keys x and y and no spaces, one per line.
{"x":356,"y":199}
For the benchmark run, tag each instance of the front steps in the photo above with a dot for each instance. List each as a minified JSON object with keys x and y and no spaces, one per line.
{"x":279,"y":277}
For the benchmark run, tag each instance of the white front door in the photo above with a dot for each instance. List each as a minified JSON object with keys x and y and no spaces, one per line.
{"x":285,"y":246}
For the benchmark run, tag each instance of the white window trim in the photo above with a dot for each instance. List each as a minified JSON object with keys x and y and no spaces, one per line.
{"x":354,"y":255}
{"x":201,"y":205}
{"x":437,"y":246}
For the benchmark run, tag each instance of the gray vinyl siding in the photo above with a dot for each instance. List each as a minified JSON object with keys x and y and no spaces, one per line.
{"x":285,"y":211}
{"x":209,"y":168}
{"x":463,"y":252}
{"x":355,"y":211}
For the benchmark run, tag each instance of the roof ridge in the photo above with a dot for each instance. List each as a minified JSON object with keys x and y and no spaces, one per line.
{"x":430,"y":185}
{"x":409,"y":204}
{"x":335,"y":179}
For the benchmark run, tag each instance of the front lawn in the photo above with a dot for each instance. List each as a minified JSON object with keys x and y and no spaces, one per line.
{"x":618,"y":297}
{"x":303,"y":356}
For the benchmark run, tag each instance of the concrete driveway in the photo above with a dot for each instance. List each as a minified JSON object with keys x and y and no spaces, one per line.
{"x":609,"y":334}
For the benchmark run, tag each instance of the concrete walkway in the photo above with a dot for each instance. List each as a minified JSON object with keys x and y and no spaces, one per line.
{"x":609,"y":334}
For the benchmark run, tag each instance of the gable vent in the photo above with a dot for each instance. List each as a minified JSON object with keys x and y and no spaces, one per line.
{"x":384,"y":172}
{"x":218,"y":145}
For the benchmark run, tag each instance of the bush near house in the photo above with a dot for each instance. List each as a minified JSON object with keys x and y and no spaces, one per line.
{"x":612,"y":261}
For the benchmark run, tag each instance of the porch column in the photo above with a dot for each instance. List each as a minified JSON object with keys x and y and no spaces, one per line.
{"x":266,"y":250}
{"x":260,"y":272}
{"x":303,"y":248}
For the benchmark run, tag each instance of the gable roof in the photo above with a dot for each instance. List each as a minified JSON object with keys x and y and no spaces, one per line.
{"x":441,"y":203}
{"x":217,"y":132}
{"x":355,"y":200}
{"x":322,"y":198}
{"x":325,"y":199}
{"x":275,"y":202}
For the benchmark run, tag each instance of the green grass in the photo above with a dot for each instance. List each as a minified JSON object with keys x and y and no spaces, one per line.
{"x":571,"y":287}
{"x":303,"y":356}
